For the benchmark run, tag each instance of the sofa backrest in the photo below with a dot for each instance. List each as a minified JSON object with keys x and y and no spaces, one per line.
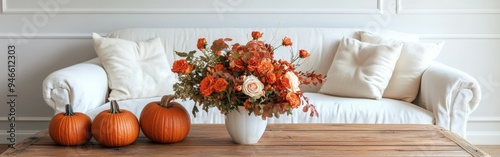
{"x":322,"y":43}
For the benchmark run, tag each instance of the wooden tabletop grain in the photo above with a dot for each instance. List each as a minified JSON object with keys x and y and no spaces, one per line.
{"x":278,"y":140}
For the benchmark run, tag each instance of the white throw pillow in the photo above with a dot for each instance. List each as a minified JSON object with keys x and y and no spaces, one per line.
{"x":361,"y":69}
{"x":134,"y":69}
{"x":415,"y":58}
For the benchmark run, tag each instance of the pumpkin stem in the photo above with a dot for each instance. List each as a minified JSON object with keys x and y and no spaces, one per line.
{"x":165,"y":101}
{"x":114,"y":109}
{"x":69,"y":110}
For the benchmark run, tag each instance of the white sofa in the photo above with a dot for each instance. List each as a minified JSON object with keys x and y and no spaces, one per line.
{"x":446,"y":97}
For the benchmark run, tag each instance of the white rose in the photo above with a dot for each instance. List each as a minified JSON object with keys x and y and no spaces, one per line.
{"x":293,"y":81}
{"x":253,"y":87}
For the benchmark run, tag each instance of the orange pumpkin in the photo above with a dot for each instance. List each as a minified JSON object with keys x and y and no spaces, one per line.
{"x":70,"y":128}
{"x":165,"y":121}
{"x":115,"y":127}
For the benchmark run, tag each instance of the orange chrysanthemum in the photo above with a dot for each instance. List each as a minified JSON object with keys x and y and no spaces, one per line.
{"x":293,"y":100}
{"x":270,"y":78}
{"x":265,"y":67}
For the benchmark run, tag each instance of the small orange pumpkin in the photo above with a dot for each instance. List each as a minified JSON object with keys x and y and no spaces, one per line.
{"x":70,"y":128}
{"x":165,"y":121}
{"x":115,"y":127}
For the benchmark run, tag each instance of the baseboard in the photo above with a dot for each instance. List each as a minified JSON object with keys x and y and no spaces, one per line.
{"x":483,"y":130}
{"x":20,"y":135}
{"x":25,"y":127}
{"x":484,"y":137}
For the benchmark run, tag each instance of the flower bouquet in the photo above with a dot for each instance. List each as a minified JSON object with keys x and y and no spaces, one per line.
{"x":246,"y":75}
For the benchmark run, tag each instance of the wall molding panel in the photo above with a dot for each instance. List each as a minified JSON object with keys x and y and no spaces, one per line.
{"x":50,"y":36}
{"x":460,"y":36}
{"x":27,"y":119}
{"x":192,"y":7}
{"x":484,"y":119}
{"x":2,"y":6}
{"x":444,"y":8}
{"x":88,"y":36}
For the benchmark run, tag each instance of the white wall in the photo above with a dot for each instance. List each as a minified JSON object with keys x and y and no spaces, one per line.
{"x":52,"y":34}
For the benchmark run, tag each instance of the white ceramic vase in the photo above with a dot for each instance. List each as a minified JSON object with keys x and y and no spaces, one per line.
{"x":244,"y":128}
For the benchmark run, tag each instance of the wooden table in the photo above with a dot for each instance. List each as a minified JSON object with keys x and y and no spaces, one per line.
{"x":278,"y":140}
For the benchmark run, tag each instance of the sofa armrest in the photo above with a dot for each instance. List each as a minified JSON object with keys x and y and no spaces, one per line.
{"x":84,"y":85}
{"x":450,"y":94}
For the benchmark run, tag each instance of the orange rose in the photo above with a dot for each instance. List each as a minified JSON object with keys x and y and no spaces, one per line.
{"x":206,"y":86}
{"x":181,"y":66}
{"x":253,"y":64}
{"x":220,"y":85}
{"x":256,"y":35}
{"x":202,"y":43}
{"x":283,"y":83}
{"x":219,"y":67}
{"x":188,"y":69}
{"x":237,"y":65}
{"x":293,"y":100}
{"x":303,"y":53}
{"x":287,"y":41}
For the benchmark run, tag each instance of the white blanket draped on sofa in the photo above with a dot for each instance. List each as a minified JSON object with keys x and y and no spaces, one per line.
{"x":446,"y":96}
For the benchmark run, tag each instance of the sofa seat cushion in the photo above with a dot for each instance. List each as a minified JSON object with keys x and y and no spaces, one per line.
{"x":331,"y":109}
